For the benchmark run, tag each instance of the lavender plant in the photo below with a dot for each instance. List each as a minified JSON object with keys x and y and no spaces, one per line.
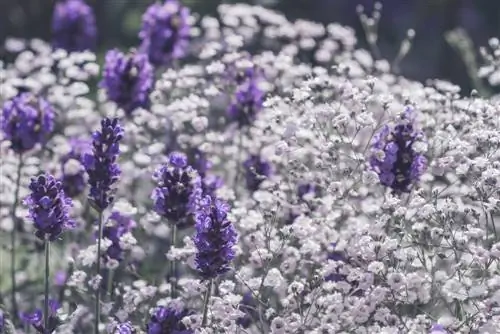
{"x":280,"y":179}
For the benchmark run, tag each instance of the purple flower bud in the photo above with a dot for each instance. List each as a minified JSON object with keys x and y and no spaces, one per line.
{"x":178,"y":191}
{"x":48,"y":207}
{"x":167,"y":320}
{"x":128,"y":80}
{"x":124,"y":328}
{"x":101,"y":164}
{"x":438,"y":329}
{"x":26,"y":121}
{"x":215,"y":238}
{"x":73,"y":26}
{"x":256,"y":171}
{"x":165,"y":32}
{"x":394,"y":158}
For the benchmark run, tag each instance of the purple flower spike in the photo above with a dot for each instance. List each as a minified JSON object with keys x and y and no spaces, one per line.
{"x":394,"y":158}
{"x":167,"y":320}
{"x":73,"y":26}
{"x":256,"y":170}
{"x":438,"y":329}
{"x":48,"y":207}
{"x":248,"y":102}
{"x":165,"y":32}
{"x":178,"y":191}
{"x":101,"y":165}
{"x":215,"y":238}
{"x":128,"y":80}
{"x":26,"y":120}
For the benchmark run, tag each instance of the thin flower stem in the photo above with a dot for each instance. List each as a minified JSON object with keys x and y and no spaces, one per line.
{"x":98,"y":271}
{"x":173,"y":267}
{"x":208,"y":294}
{"x":47,"y":274}
{"x":109,"y":288}
{"x":13,"y":237}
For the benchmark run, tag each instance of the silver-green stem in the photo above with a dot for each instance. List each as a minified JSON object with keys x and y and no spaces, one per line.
{"x":47,"y":275}
{"x":173,"y":267}
{"x":98,"y":271}
{"x":13,"y":237}
{"x":208,"y":294}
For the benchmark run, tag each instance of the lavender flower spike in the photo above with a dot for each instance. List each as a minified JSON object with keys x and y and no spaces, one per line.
{"x":165,"y":32}
{"x":215,"y":238}
{"x":256,"y":171}
{"x":178,"y":191}
{"x":73,"y":26}
{"x":248,"y":102}
{"x":48,"y":207}
{"x":101,"y":165}
{"x":167,"y":320}
{"x":395,"y":157}
{"x":128,"y":80}
{"x":26,"y":120}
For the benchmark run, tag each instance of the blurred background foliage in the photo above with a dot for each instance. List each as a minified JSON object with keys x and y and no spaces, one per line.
{"x":431,"y":57}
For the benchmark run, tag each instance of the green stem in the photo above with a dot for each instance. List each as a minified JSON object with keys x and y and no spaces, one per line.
{"x":110,"y":283}
{"x":98,"y":270}
{"x":47,"y":274}
{"x":13,"y":237}
{"x":208,"y":294}
{"x":173,"y":269}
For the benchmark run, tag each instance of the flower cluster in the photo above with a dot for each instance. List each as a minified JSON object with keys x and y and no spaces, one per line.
{"x":27,"y":120}
{"x":165,"y":32}
{"x":48,"y":207}
{"x":215,"y":238}
{"x":128,"y":80}
{"x":101,"y":164}
{"x":397,"y":154}
{"x":166,"y":320}
{"x":179,"y":189}
{"x":73,"y":26}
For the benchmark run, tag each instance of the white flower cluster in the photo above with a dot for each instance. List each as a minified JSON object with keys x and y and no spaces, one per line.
{"x":348,"y":255}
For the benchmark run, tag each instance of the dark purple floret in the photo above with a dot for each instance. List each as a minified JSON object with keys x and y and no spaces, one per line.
{"x":124,"y":328}
{"x":27,"y":120}
{"x":165,"y":32}
{"x":168,"y":321}
{"x":73,"y":26}
{"x":394,"y":158}
{"x":117,"y":226}
{"x":256,"y":171}
{"x":101,"y":166}
{"x":48,"y":207}
{"x":178,"y":191}
{"x":35,"y":318}
{"x":248,"y":102}
{"x":128,"y":80}
{"x":215,"y":238}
